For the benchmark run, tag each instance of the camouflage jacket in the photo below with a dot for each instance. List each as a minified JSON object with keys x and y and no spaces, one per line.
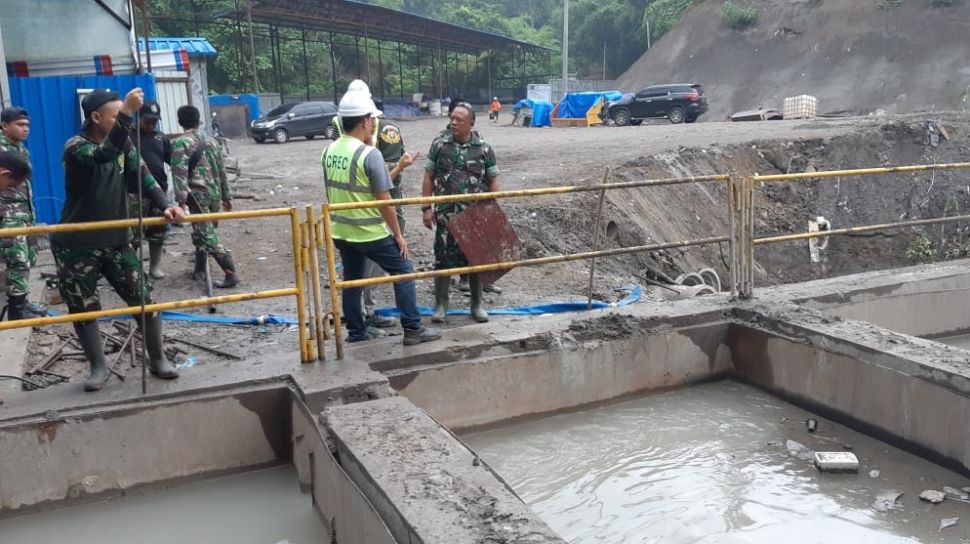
{"x":98,"y":178}
{"x":16,"y":202}
{"x":208,"y":176}
{"x":461,"y":168}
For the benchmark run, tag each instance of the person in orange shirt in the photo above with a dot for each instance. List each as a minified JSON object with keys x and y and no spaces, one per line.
{"x":494,"y":109}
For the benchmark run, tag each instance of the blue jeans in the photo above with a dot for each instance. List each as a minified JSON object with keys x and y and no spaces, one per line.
{"x":386,"y":254}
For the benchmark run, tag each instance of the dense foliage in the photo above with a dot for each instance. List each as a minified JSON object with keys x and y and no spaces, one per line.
{"x":610,"y":29}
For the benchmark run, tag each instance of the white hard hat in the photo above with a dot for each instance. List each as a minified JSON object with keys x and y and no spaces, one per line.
{"x":357,"y":104}
{"x":358,"y":86}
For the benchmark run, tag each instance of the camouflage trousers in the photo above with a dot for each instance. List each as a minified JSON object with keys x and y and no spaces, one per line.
{"x":79,"y":270}
{"x":204,"y":235}
{"x":154,"y":235}
{"x":447,"y":254}
{"x":396,"y":193}
{"x":19,"y":257}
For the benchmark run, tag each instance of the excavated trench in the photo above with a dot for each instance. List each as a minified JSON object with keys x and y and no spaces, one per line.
{"x":677,"y":423}
{"x":662,"y":214}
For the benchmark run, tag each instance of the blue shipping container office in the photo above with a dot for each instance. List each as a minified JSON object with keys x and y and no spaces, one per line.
{"x":55,"y":116}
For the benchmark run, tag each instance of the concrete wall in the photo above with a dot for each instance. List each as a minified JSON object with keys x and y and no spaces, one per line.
{"x":895,"y":394}
{"x":486,"y":390}
{"x":925,"y":301}
{"x":104,"y":452}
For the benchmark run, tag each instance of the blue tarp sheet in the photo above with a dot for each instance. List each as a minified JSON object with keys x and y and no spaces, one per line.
{"x":250,"y":100}
{"x":633,"y":295}
{"x":575,"y":105}
{"x":541,"y":111}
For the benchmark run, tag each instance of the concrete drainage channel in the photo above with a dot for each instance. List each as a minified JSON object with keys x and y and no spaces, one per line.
{"x":373,"y":441}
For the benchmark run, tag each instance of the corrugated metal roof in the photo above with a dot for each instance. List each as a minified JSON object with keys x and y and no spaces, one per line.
{"x":197,"y":47}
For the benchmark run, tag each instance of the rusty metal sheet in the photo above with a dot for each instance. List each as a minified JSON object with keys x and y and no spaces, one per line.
{"x":485,"y":236}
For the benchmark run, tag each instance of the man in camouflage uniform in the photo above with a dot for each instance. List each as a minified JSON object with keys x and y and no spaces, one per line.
{"x":155,"y":149}
{"x":14,"y":171}
{"x":17,"y":210}
{"x":101,"y":166}
{"x":201,"y":185}
{"x":461,"y":162}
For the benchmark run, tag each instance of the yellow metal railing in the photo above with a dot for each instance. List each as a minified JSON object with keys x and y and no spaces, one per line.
{"x":301,"y":248}
{"x":749,"y":242}
{"x":336,"y":285}
{"x":316,"y":231}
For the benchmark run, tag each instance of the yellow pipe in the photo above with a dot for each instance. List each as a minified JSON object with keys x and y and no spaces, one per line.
{"x":318,"y":329}
{"x":523,"y":193}
{"x":149,"y":308}
{"x":528,"y":262}
{"x":300,"y":295}
{"x":338,"y":336}
{"x":856,"y":230}
{"x":863,"y":172}
{"x":133,"y":223}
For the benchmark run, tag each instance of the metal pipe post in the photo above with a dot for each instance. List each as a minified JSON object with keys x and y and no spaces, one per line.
{"x":333,"y":282}
{"x":596,"y":239}
{"x":314,"y":261}
{"x":300,"y":292}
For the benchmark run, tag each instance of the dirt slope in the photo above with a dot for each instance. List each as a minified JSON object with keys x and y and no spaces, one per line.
{"x":849,"y":53}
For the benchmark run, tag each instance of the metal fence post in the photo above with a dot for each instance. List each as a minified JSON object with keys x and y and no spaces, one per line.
{"x":295,"y":229}
{"x":338,"y":336}
{"x":314,"y":265}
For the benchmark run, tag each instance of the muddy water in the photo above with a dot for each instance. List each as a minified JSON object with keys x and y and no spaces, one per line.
{"x":712,"y":464}
{"x":962,"y":341}
{"x":262,"y":507}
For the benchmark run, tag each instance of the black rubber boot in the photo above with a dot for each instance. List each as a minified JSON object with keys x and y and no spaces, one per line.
{"x":198,"y":274}
{"x":155,"y":259}
{"x":441,"y":286}
{"x":89,"y":337}
{"x":16,"y":306}
{"x":158,"y":363}
{"x":477,"y":306}
{"x":229,"y":267}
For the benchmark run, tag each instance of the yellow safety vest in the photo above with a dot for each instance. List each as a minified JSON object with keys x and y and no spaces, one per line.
{"x":346,"y":181}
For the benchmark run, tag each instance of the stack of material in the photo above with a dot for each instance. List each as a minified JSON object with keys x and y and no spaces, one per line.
{"x":800,"y":107}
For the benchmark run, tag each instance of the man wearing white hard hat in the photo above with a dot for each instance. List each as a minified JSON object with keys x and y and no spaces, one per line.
{"x":354,"y":171}
{"x":388,"y":140}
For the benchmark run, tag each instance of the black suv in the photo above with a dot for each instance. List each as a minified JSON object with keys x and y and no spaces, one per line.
{"x":310,"y":119}
{"x":681,"y":103}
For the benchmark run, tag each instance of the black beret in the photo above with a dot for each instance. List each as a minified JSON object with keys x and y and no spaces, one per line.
{"x":9,"y":115}
{"x":150,"y":110}
{"x":95,"y":99}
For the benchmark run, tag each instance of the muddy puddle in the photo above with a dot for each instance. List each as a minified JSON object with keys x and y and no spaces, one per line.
{"x":717,"y":463}
{"x":261,"y":507}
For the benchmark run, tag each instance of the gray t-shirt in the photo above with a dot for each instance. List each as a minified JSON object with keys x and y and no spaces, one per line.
{"x":376,"y":170}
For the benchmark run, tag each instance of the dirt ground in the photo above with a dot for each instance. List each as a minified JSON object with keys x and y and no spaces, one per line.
{"x":290,"y":175}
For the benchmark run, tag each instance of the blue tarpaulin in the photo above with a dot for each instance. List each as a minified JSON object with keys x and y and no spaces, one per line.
{"x":575,"y":105}
{"x":633,"y":295}
{"x":250,"y":100}
{"x":541,"y":111}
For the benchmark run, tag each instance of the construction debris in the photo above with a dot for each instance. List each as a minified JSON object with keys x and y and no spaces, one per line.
{"x":836,"y":462}
{"x":932,"y":496}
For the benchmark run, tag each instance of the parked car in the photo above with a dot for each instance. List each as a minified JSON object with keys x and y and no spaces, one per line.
{"x":680,"y":103}
{"x":308,"y":119}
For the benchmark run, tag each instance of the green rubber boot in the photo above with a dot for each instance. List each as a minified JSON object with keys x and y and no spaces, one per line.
{"x":155,"y":250}
{"x":478,"y":307}
{"x":441,"y":286}
{"x":158,"y":363}
{"x":89,"y":337}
